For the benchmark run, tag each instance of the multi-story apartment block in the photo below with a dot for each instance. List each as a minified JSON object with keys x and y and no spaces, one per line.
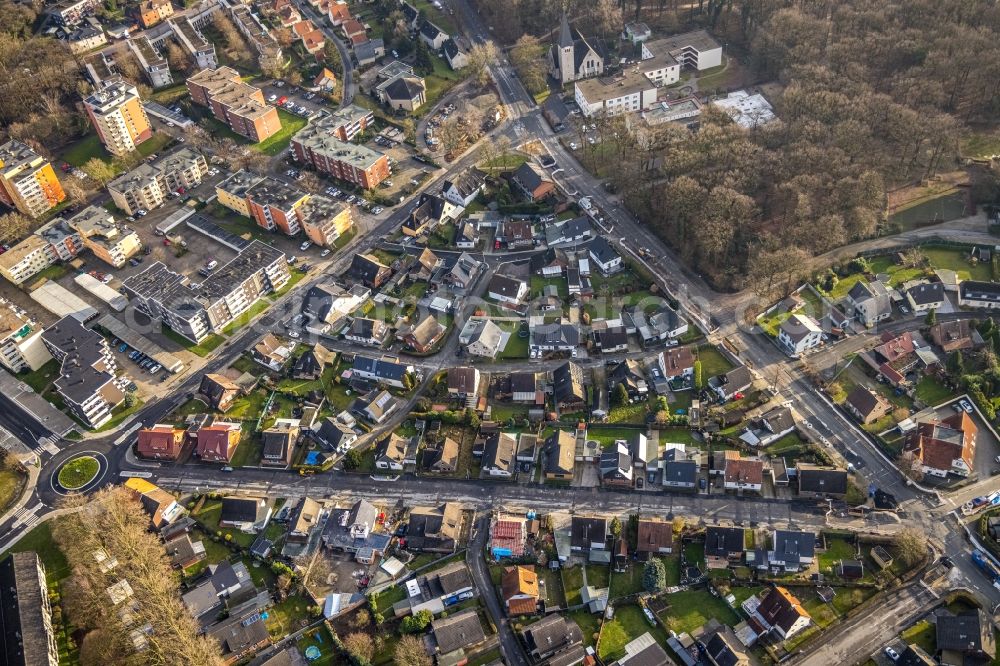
{"x":317,"y":144}
{"x":348,"y":122}
{"x":140,"y":188}
{"x":117,"y":114}
{"x":111,"y":242}
{"x":325,"y":220}
{"x":267,"y":47}
{"x":273,"y":205}
{"x":152,"y":12}
{"x":21,"y":345}
{"x":64,"y":242}
{"x":197,"y":311}
{"x":25,"y":259}
{"x":232,"y":192}
{"x":27,"y":614}
{"x":235,"y":103}
{"x":87,"y":35}
{"x":71,"y":12}
{"x":194,"y":43}
{"x":27,"y":180}
{"x":88,"y":381}
{"x":153,"y":64}
{"x":148,"y":185}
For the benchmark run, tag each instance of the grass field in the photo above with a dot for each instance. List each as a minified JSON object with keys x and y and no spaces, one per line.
{"x":629,"y":623}
{"x":712,"y":361}
{"x":277,"y":142}
{"x":203,"y":349}
{"x":932,"y":392}
{"x":41,"y":378}
{"x":245,"y":318}
{"x":78,"y":472}
{"x":572,"y":580}
{"x":11,"y":485}
{"x":692,"y":608}
{"x":628,"y":582}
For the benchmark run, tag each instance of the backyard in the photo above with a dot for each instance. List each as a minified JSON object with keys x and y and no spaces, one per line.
{"x":691,"y":609}
{"x":628,"y":623}
{"x":712,"y":361}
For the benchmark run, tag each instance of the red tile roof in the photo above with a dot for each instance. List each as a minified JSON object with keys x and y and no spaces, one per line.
{"x":509,"y":534}
{"x":745,"y":470}
{"x":937,"y":444}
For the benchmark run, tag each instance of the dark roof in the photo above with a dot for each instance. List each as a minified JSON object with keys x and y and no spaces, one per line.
{"x":567,"y":383}
{"x":793,"y":545}
{"x":449,"y":579}
{"x":530,"y":176}
{"x":780,"y":609}
{"x":504,"y":286}
{"x":380,"y":368}
{"x":969,"y":632}
{"x":736,"y":379}
{"x":363,"y":327}
{"x":404,"y":88}
{"x":551,"y":634}
{"x":82,"y":370}
{"x":651,"y":655}
{"x":556,"y":108}
{"x":679,"y":470}
{"x":585,"y":530}
{"x":450,"y":48}
{"x":611,"y":338}
{"x":601,"y":250}
{"x":462,"y":379}
{"x":278,"y":442}
{"x":434,"y":527}
{"x":914,"y":656}
{"x":522,"y":382}
{"x":25,"y":635}
{"x":429,"y":30}
{"x":459,"y":630}
{"x":814,"y":479}
{"x":467,"y":182}
{"x":332,"y":431}
{"x":779,"y":419}
{"x":922,"y":294}
{"x":979,"y":291}
{"x":287,"y":657}
{"x":654,"y":535}
{"x":720,"y":541}
{"x":242,"y":509}
{"x":722,"y":651}
{"x":366,"y":268}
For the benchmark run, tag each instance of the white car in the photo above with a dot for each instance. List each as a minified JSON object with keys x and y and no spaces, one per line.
{"x":141,"y":212}
{"x":964,"y":404}
{"x":574,"y":352}
{"x":106,"y":278}
{"x":305,"y":246}
{"x":272,"y":98}
{"x":585,"y":203}
{"x":170,"y":124}
{"x":294,"y":335}
{"x":572,"y":145}
{"x":892,"y":654}
{"x":591,"y":140}
{"x":377,"y":209}
{"x":325,"y":252}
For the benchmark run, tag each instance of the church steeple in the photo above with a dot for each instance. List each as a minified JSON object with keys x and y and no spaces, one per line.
{"x":565,"y":34}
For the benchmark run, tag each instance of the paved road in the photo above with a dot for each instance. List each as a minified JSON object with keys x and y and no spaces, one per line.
{"x":349,"y":87}
{"x":510,"y":647}
{"x":854,"y":641}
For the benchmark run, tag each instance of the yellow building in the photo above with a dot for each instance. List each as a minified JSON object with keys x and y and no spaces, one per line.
{"x":116,"y":113}
{"x":324,"y":220}
{"x":25,"y":259}
{"x":27,"y":180}
{"x":152,"y":12}
{"x":232,"y":192}
{"x":110,"y":242}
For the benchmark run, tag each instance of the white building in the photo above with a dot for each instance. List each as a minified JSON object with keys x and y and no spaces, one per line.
{"x":799,"y":333}
{"x":21,"y":346}
{"x":746,"y":110}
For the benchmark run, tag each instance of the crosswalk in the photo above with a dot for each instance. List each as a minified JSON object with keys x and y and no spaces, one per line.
{"x":26,"y":518}
{"x":48,"y":445}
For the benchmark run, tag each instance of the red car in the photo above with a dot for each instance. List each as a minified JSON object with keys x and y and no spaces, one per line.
{"x":282,"y":100}
{"x":166,"y":241}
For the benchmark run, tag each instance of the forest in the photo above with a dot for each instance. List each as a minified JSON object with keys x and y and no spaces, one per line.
{"x":872,"y":96}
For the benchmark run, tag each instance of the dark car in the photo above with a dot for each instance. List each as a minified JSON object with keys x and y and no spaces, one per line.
{"x":947,"y":561}
{"x":702,"y":483}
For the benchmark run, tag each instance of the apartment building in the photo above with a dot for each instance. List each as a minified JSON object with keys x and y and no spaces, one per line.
{"x":232,"y":192}
{"x":148,"y":185}
{"x":21,"y":345}
{"x":153,"y":64}
{"x":152,"y":12}
{"x":27,"y":180}
{"x":264,"y":43}
{"x":235,"y":103}
{"x":27,"y":613}
{"x":88,"y":381}
{"x":64,"y":241}
{"x":273,"y":205}
{"x":201,"y":51}
{"x":116,"y":113}
{"x":696,"y":49}
{"x":325,"y":220}
{"x":198,"y":311}
{"x":318,"y":144}
{"x":25,"y":259}
{"x":71,"y":12}
{"x":348,"y":122}
{"x":89,"y":34}
{"x":110,"y":241}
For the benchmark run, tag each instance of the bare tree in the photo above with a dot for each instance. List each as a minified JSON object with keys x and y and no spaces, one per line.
{"x":410,"y":652}
{"x":911,"y":546}
{"x":99,"y":170}
{"x":177,"y":59}
{"x":451,"y":134}
{"x":14,"y":225}
{"x":911,"y":466}
{"x":310,"y":182}
{"x":481,"y":56}
{"x":360,"y":645}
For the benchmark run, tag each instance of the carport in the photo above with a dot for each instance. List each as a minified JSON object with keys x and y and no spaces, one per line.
{"x":140,"y":342}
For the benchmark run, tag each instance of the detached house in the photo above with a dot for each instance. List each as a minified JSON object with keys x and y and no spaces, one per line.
{"x":779,"y":612}
{"x":307,"y":519}
{"x":519,"y":588}
{"x":568,"y":388}
{"x":867,"y":405}
{"x":799,"y":333}
{"x":311,"y":364}
{"x":498,"y":454}
{"x":453,"y":54}
{"x":925,"y":296}
{"x":432,"y":35}
{"x":248,"y":514}
{"x":463,"y":381}
{"x":554,"y":638}
{"x":533,"y":181}
{"x":396,"y":453}
{"x":724,"y":546}
{"x":731,"y":384}
{"x":376,"y":406}
{"x":161,"y":442}
{"x":966,"y":638}
{"x":435,"y":529}
{"x":334,"y":435}
{"x":481,"y":337}
{"x":271,"y":352}
{"x":792,"y":551}
{"x":383,"y":371}
{"x":465,"y":188}
{"x":588,"y":533}
{"x":629,"y":374}
{"x":816,"y":481}
{"x":946,"y":446}
{"x":615,"y":466}
{"x":560,"y":455}
{"x":605,"y":257}
{"x":424,"y":336}
{"x":368,"y":270}
{"x":508,"y":290}
{"x":655,"y":537}
{"x":279,"y":443}
{"x":870,"y":303}
{"x":370,"y":332}
{"x":218,"y":442}
{"x":218,"y":391}
{"x":744,"y":474}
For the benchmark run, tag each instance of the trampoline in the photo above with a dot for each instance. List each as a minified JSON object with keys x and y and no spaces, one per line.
{"x":313,"y":653}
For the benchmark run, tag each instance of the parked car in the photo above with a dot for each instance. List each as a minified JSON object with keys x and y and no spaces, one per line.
{"x":305,"y":246}
{"x":325,"y":252}
{"x":891,"y":653}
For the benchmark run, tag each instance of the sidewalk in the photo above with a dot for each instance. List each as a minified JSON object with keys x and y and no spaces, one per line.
{"x":29,"y":489}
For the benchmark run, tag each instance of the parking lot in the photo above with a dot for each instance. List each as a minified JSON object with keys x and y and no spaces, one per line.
{"x":296,"y":100}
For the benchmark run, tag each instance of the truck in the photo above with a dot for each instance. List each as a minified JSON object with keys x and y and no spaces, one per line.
{"x":986,"y":565}
{"x":977,"y":504}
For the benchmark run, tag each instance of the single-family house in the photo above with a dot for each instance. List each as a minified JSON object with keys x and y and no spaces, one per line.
{"x":334,"y":435}
{"x":279,"y":443}
{"x":655,"y":537}
{"x":615,"y":466}
{"x":604,"y":256}
{"x":867,"y":405}
{"x":376,"y":405}
{"x":791,"y":550}
{"x":218,"y":442}
{"x":307,"y":518}
{"x":956,"y":334}
{"x":498,"y":454}
{"x":368,"y":270}
{"x":435,"y":529}
{"x":519,"y":588}
{"x":554,"y":637}
{"x":508,"y":536}
{"x":554,"y":336}
{"x":724,"y":546}
{"x":680,"y":467}
{"x":424,"y":336}
{"x":453,"y":54}
{"x":588,"y":533}
{"x":481,"y":337}
{"x":816,"y":481}
{"x":533,"y":181}
{"x":456,"y":633}
{"x":248,"y":514}
{"x":271,"y":352}
{"x":568,"y":387}
{"x":311,"y":364}
{"x":365,"y":331}
{"x":218,"y":391}
{"x":463,"y":381}
{"x":870,"y":303}
{"x":504,"y":289}
{"x":396,"y":453}
{"x":799,"y":333}
{"x":925,"y":296}
{"x":945,"y":446}
{"x":432,"y":35}
{"x":464,"y":188}
{"x":965,"y":638}
{"x":560,"y":455}
{"x":744,"y":474}
{"x":388,"y":371}
{"x":779,"y":612}
{"x":732,"y":383}
{"x":161,"y":442}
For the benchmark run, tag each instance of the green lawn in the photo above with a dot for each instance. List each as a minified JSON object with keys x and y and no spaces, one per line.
{"x":86,"y":148}
{"x":589,"y":625}
{"x":41,"y":378}
{"x":744,"y":593}
{"x":848,"y":598}
{"x":712,"y":361}
{"x":53,"y":272}
{"x":628,"y":582}
{"x":323,"y":639}
{"x":517,"y":347}
{"x":598,"y":575}
{"x":119,"y":415}
{"x":608,"y":436}
{"x":277,"y":142}
{"x":572,"y":580}
{"x":78,"y":472}
{"x":932,"y":392}
{"x":957,"y":260}
{"x":153,"y":144}
{"x":921,"y":634}
{"x":247,"y":316}
{"x":691,"y":609}
{"x":694,"y":552}
{"x":297,"y":276}
{"x":389,"y":596}
{"x":209,"y":516}
{"x":249,"y":451}
{"x":11,"y":485}
{"x":302,"y":387}
{"x":836,"y":550}
{"x":203,"y":349}
{"x":214,"y":553}
{"x":672,"y":563}
{"x":629,"y":623}
{"x":538,"y":283}
{"x":289,"y":616}
{"x":632,"y":413}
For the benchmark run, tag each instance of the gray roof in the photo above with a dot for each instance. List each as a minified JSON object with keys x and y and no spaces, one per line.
{"x":792,"y":546}
{"x":922,"y":294}
{"x":458,"y":630}
{"x":720,"y":541}
{"x":25,"y":626}
{"x":969,"y":632}
{"x":601,"y":250}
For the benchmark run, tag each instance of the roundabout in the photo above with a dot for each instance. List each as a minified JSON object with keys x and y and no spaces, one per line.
{"x":80,"y":473}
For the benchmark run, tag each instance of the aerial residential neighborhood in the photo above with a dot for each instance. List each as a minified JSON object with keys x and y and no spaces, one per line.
{"x":471,"y":333}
